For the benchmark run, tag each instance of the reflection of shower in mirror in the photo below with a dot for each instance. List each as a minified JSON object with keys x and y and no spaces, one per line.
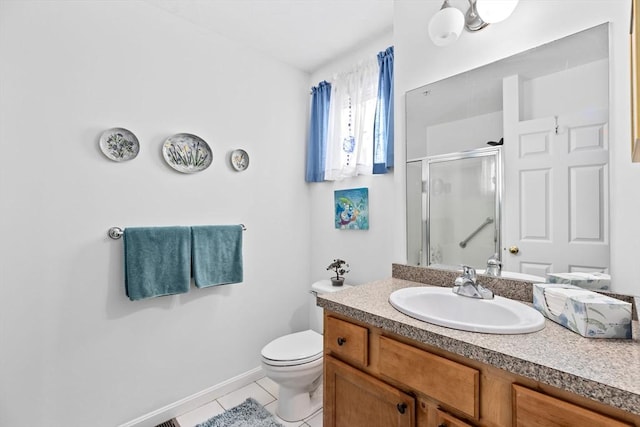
{"x":438,"y":187}
{"x":461,"y":206}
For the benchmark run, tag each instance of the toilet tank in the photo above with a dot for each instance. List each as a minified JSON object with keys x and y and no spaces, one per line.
{"x":315,"y":312}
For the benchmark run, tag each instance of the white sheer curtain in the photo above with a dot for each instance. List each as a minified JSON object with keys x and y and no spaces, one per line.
{"x":351,"y":116}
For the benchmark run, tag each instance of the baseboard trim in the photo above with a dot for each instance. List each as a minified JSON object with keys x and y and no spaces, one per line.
{"x":196,"y":400}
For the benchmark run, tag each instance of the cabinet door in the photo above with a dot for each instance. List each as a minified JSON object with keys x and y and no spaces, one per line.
{"x":430,"y":415}
{"x":353,"y":398}
{"x":533,"y":409}
{"x":447,"y":420}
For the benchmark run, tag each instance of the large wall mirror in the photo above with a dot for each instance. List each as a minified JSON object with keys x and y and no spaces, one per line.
{"x":546,"y":111}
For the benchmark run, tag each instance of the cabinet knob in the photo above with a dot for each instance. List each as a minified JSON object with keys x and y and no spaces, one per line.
{"x":514,"y":249}
{"x":341,"y":340}
{"x":402,"y":407}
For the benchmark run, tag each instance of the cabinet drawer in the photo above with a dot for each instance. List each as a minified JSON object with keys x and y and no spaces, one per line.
{"x":347,"y":341}
{"x":448,"y":382}
{"x":533,"y":409}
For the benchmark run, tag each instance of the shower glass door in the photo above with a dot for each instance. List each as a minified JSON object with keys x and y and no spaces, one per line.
{"x":463,"y":198}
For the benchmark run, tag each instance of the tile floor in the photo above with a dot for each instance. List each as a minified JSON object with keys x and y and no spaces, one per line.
{"x":264,"y":391}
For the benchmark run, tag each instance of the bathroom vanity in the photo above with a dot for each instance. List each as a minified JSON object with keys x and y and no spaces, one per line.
{"x":383,"y":368}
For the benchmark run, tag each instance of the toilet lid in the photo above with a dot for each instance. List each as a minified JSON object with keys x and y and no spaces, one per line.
{"x":300,"y":347}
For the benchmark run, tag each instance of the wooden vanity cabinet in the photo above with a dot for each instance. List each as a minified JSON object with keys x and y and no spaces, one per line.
{"x":367,"y":383}
{"x":373,"y":378}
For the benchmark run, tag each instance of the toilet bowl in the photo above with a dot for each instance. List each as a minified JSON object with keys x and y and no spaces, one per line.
{"x":294,"y":362}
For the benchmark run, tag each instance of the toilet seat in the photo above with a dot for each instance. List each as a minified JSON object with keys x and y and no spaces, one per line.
{"x":293,"y":349}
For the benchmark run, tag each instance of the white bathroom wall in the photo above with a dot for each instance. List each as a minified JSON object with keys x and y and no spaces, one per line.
{"x":368,"y":252}
{"x":534,"y":22}
{"x":74,"y":350}
{"x":568,"y":91}
{"x":463,"y":135}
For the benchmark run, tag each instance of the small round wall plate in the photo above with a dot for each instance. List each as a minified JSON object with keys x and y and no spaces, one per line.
{"x":239,"y":160}
{"x":119,"y":144}
{"x":187,"y":153}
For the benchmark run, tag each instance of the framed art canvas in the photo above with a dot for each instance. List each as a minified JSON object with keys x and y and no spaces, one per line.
{"x":352,"y":209}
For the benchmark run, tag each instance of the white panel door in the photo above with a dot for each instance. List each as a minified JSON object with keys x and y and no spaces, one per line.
{"x":556,"y":195}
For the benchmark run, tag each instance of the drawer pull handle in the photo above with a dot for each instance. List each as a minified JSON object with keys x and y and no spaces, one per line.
{"x":442,"y":425}
{"x":341,"y":340}
{"x":402,"y":407}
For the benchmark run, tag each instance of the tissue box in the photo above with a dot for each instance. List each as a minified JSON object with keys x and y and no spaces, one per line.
{"x":597,"y":281}
{"x":587,"y":313}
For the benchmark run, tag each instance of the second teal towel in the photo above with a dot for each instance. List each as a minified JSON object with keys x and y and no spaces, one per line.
{"x":216,"y":254}
{"x":156,"y":261}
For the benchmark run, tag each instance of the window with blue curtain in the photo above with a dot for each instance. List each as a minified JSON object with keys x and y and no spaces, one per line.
{"x":383,"y":124}
{"x":351,"y":113}
{"x":378,"y":120}
{"x":317,"y":142}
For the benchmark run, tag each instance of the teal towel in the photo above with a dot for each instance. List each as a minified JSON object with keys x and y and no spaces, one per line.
{"x":216,"y":254}
{"x":157,"y":261}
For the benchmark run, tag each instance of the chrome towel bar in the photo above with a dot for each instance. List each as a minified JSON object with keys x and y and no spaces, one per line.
{"x":116,"y":232}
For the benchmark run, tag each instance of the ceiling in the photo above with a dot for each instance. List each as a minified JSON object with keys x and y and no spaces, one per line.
{"x":305,"y":34}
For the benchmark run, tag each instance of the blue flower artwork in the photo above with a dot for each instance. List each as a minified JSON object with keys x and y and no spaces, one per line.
{"x":352,"y":209}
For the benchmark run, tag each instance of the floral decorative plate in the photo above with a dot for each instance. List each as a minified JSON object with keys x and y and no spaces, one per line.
{"x":119,"y":144}
{"x":187,"y":153}
{"x":239,"y":160}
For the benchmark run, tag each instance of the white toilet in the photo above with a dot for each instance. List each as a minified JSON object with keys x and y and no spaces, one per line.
{"x":294,"y":362}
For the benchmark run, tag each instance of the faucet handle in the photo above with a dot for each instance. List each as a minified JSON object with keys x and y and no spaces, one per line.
{"x":494,"y":266}
{"x":494,"y":260}
{"x":469,"y":272}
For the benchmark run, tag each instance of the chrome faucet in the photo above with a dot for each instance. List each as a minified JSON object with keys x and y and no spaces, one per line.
{"x":494,"y":266}
{"x":467,"y":285}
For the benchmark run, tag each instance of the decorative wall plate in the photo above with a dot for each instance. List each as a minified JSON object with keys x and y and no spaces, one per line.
{"x":119,"y":144}
{"x":239,"y":160}
{"x":187,"y":153}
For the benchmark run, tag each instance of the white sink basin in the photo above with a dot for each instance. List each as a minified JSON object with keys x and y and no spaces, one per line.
{"x":442,"y":307}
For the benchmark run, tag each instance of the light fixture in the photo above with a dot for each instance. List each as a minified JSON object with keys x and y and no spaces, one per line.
{"x":493,"y":11}
{"x":446,"y":25}
{"x":472,"y":19}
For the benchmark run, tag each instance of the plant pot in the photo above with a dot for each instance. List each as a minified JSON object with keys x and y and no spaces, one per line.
{"x":337,"y":282}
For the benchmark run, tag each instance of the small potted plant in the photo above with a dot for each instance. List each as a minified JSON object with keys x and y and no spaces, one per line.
{"x":339,"y":267}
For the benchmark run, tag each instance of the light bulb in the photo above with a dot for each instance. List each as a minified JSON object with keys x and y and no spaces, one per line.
{"x":492,"y":11}
{"x":446,"y":25}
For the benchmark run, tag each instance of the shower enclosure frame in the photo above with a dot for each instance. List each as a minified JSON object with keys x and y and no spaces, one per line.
{"x":496,"y":152}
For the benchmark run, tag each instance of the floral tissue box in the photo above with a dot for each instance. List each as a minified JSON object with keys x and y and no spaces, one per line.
{"x":597,"y":281}
{"x":585,"y":312}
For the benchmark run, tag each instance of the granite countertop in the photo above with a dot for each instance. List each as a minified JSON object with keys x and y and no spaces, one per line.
{"x":604,"y":370}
